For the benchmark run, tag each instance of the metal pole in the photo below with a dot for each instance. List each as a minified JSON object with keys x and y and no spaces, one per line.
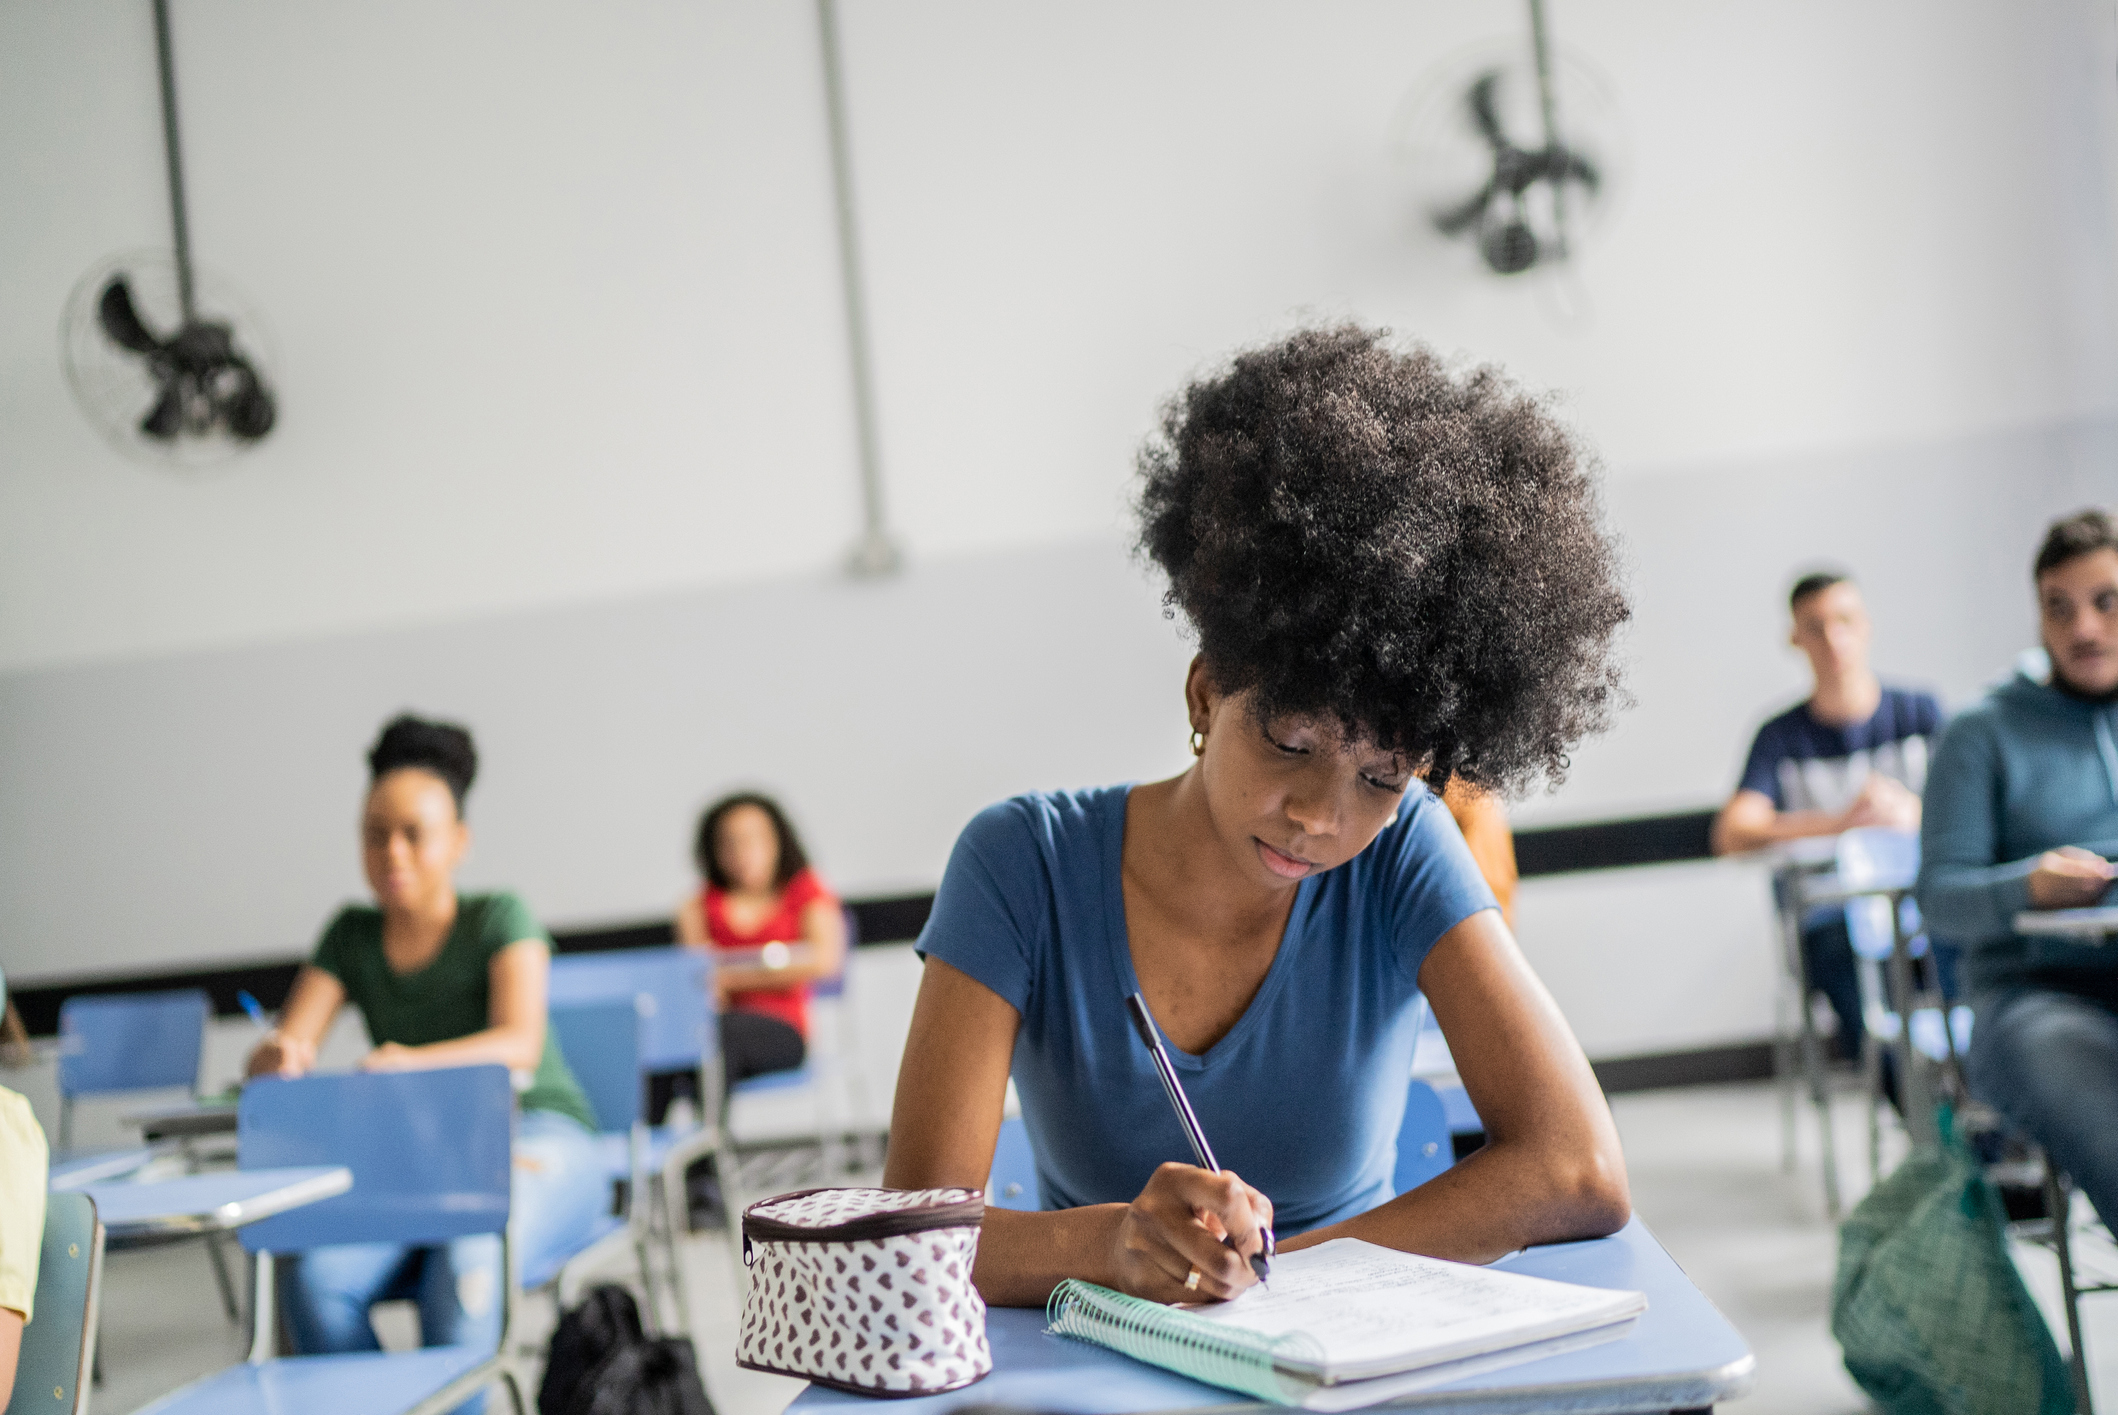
{"x":1548,"y":104}
{"x":876,"y":553}
{"x":178,"y":224}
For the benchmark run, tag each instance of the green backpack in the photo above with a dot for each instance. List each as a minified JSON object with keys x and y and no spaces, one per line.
{"x":1929,"y":1311}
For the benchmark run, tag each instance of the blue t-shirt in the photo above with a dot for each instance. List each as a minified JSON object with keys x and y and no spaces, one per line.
{"x":1806,"y":765}
{"x":1304,"y":1096}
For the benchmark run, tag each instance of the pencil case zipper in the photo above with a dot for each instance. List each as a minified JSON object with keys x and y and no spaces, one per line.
{"x":896,"y":1223}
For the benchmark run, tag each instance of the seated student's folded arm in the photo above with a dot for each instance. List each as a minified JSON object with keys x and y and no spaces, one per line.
{"x":820,"y":953}
{"x":519,"y":979}
{"x":1750,"y":821}
{"x":1551,"y":1169}
{"x":1966,"y":892}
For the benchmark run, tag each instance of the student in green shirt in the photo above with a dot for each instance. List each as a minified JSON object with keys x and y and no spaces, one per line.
{"x":441,"y":979}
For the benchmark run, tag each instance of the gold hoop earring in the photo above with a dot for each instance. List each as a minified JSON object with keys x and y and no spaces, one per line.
{"x":1198,"y":743}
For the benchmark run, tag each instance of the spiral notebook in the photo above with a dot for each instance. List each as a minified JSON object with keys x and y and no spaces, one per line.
{"x":1347,"y":1324}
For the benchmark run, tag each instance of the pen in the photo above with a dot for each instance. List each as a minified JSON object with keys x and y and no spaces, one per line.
{"x":254,"y":1008}
{"x":1144,"y":1023}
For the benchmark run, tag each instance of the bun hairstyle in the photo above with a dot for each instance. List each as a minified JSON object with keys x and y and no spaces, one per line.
{"x":442,"y":748}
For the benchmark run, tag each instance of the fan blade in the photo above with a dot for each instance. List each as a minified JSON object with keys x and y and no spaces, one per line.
{"x":1568,"y":165}
{"x":115,"y":312}
{"x":246,"y":406}
{"x":162,"y":423}
{"x":1458,"y":219}
{"x":1484,"y":114}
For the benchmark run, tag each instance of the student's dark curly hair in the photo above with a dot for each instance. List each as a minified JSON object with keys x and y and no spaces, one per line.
{"x":442,"y":748}
{"x":1356,"y":531}
{"x":2083,"y":533}
{"x":793,"y":859}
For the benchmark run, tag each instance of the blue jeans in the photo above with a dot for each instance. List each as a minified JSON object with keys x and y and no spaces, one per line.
{"x":2047,"y":1059}
{"x":559,"y":1191}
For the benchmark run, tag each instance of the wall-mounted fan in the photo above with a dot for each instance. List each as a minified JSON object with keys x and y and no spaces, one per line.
{"x":1491,"y":164}
{"x":157,"y":375}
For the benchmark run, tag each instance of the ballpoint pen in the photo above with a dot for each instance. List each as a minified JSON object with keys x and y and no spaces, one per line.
{"x":253,"y":1007}
{"x":1144,"y":1023}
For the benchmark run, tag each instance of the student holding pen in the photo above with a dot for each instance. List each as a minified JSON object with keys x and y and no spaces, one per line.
{"x":441,"y":979}
{"x":1397,"y":580}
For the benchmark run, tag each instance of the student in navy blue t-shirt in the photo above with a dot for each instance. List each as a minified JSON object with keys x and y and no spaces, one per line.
{"x":1397,"y":578}
{"x":1854,"y":754}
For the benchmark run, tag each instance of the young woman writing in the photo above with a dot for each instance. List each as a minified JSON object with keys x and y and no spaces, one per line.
{"x":1397,"y":580}
{"x":441,"y":979}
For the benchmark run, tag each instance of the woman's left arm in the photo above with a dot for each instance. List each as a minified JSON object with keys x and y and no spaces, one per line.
{"x":820,"y":954}
{"x":1551,"y":1169}
{"x":519,"y":979}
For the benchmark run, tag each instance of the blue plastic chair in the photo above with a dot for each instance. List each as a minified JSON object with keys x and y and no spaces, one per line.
{"x":678,"y":1032}
{"x":1886,"y":864}
{"x":120,"y":1042}
{"x":1013,"y":1184}
{"x":1424,"y":1147}
{"x":826,"y":1063}
{"x":601,"y":1043}
{"x":53,"y":1371}
{"x":431,"y":1158}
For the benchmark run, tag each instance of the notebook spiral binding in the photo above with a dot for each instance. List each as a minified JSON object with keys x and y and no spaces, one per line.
{"x":1178,"y":1341}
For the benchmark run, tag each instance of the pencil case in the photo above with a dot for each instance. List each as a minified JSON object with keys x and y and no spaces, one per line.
{"x":865,"y":1290}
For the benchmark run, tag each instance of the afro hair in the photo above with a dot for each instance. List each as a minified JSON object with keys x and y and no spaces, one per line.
{"x":1356,"y":531}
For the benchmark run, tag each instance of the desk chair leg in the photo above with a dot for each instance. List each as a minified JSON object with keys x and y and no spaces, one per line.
{"x":264,"y":1312}
{"x":733,"y":1199}
{"x":2058,"y":1202}
{"x":1783,"y":1070}
{"x":1872,"y":1089}
{"x":1819,"y":1090}
{"x":513,"y":1382}
{"x":216,"y":1254}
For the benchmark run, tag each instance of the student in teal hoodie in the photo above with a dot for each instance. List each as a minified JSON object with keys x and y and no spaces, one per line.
{"x":2022,"y":813}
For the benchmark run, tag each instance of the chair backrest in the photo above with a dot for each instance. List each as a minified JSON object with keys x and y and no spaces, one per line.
{"x":131,"y":1041}
{"x":1875,"y":858}
{"x":1424,"y":1148}
{"x":678,"y":1029}
{"x":59,"y":1344}
{"x":1014,"y":1181}
{"x":429,"y":1151}
{"x":601,"y":1042}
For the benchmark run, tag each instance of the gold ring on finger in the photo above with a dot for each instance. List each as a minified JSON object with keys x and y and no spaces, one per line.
{"x":1191,"y":1284}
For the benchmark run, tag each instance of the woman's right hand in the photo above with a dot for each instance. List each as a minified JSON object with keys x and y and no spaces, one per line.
{"x":280,"y":1055}
{"x":1175,"y":1227}
{"x":2069,"y":878}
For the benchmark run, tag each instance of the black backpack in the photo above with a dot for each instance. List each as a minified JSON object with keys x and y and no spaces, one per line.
{"x":602,"y":1363}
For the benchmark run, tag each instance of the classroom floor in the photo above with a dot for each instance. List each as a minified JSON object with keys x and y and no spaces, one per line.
{"x":1706,"y":1175}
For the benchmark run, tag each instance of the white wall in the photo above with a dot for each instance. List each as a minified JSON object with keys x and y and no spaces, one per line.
{"x":553,"y":285}
{"x":555,"y":294}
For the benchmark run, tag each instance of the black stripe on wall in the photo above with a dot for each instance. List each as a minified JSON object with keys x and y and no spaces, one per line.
{"x":1612,"y":845}
{"x":1564,"y":849}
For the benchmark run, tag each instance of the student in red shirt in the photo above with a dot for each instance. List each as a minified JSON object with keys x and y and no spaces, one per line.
{"x":774,"y":927}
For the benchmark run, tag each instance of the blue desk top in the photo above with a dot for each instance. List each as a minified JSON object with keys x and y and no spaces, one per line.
{"x":209,"y":1203}
{"x":1682,"y":1354}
